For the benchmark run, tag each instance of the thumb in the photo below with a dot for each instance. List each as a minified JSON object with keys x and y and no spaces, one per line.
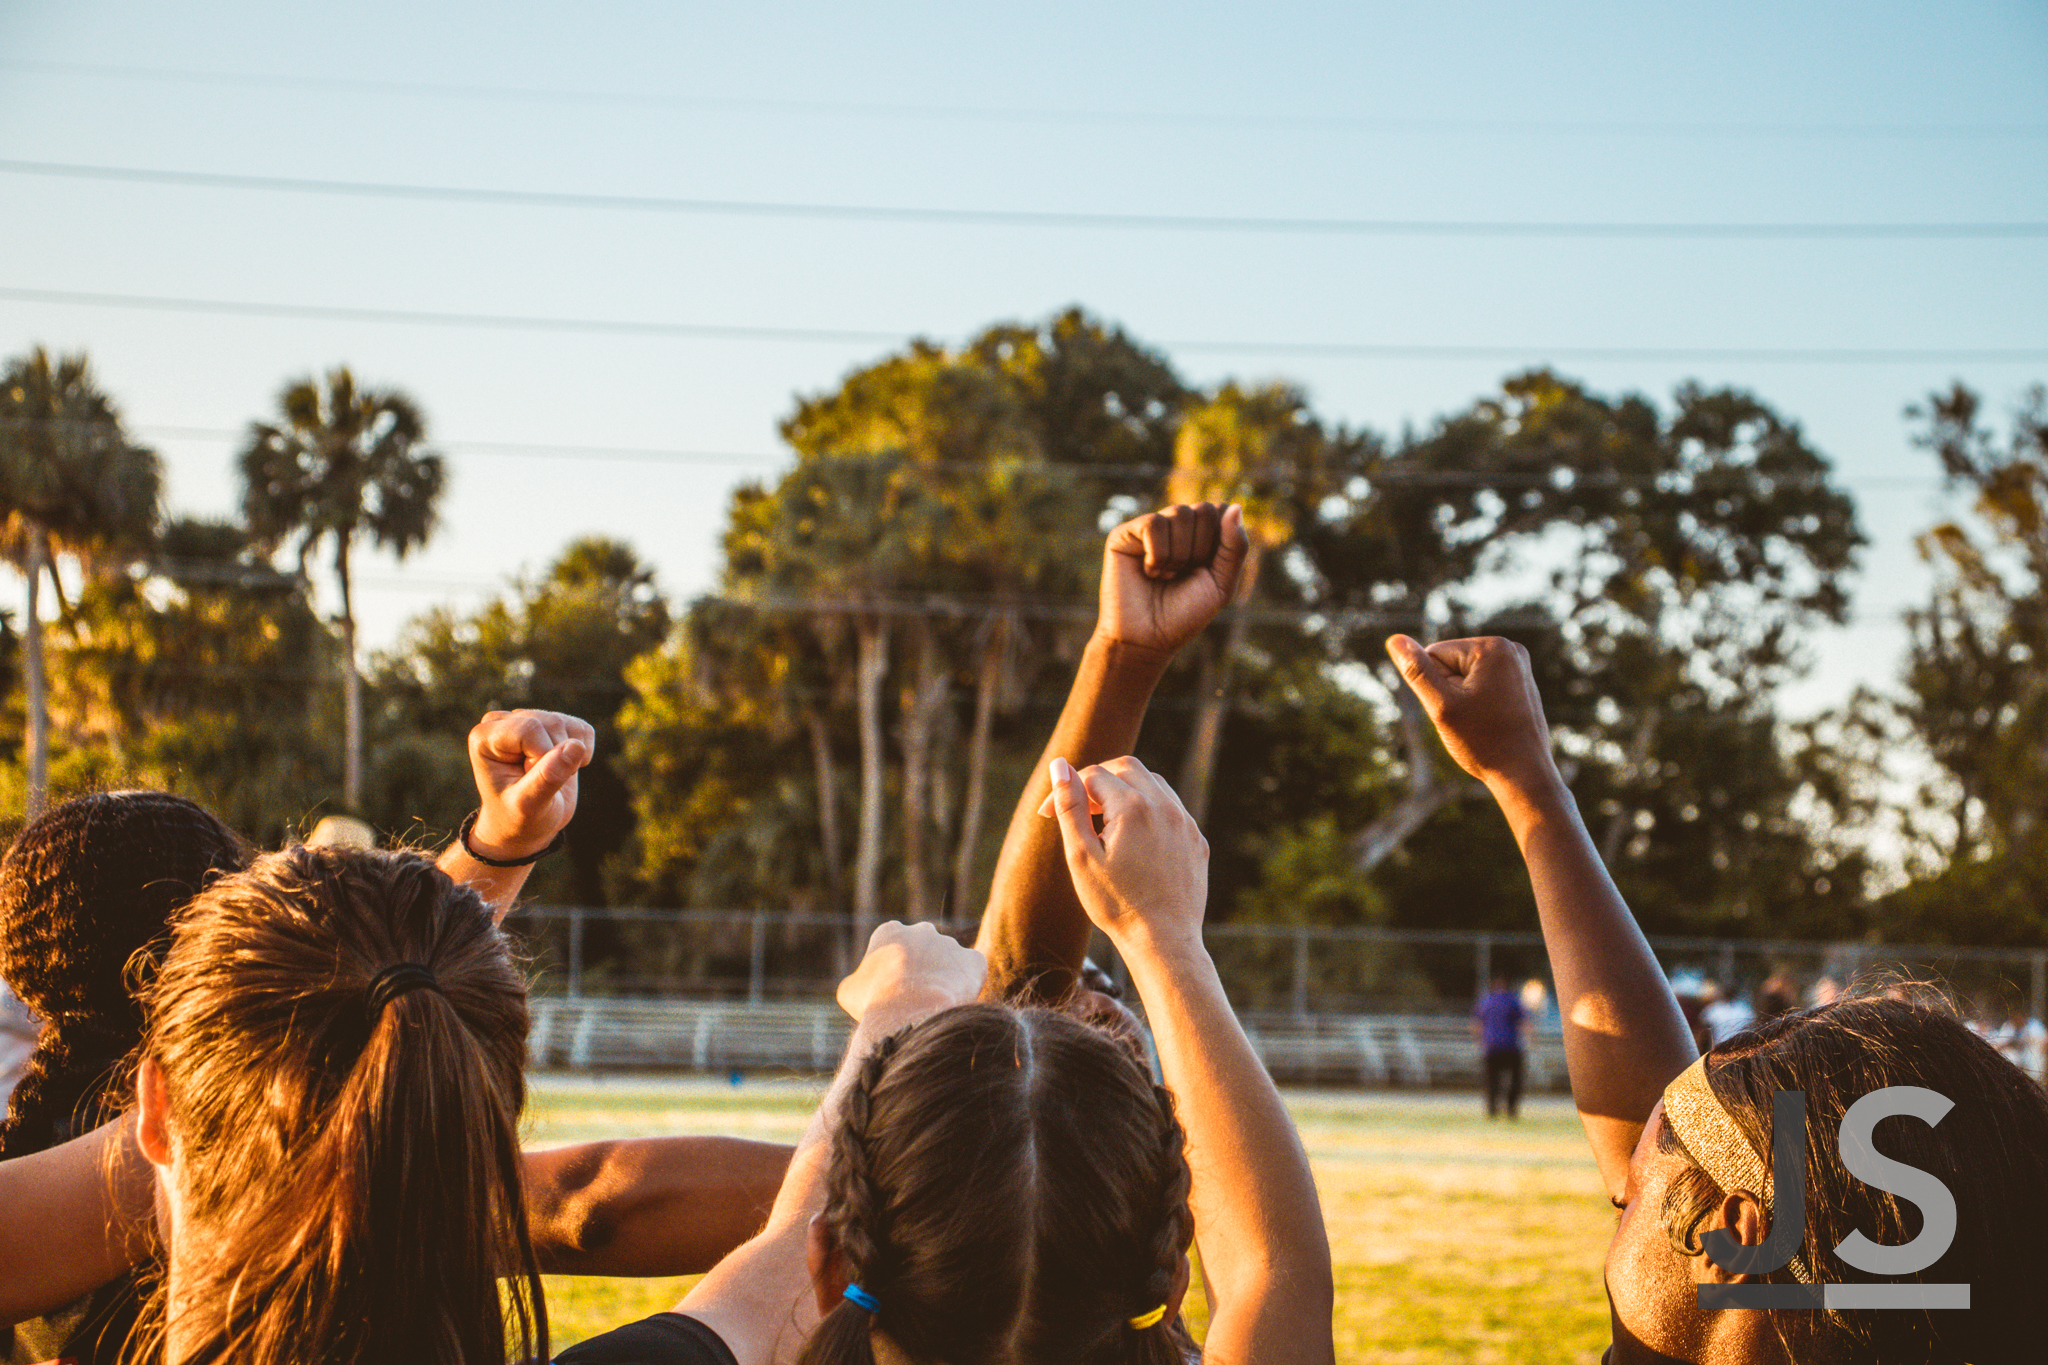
{"x":1070,"y":804}
{"x":1232,"y":546}
{"x":1418,"y":666}
{"x":556,"y":769}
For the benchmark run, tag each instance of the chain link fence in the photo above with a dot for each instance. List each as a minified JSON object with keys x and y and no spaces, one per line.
{"x":762,"y":956}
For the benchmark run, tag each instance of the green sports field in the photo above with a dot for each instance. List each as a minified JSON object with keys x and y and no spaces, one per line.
{"x":1455,"y":1239}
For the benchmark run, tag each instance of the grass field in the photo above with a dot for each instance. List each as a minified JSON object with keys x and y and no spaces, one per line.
{"x":1456,"y":1240}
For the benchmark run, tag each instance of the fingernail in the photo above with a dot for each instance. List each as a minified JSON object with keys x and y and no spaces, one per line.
{"x":1062,"y":772}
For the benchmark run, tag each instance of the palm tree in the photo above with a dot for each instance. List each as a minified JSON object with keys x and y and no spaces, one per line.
{"x":1260,"y":448}
{"x":839,"y":538}
{"x":994,"y":678}
{"x":337,"y":466}
{"x":70,"y":481}
{"x":1019,"y":532}
{"x":927,"y":693}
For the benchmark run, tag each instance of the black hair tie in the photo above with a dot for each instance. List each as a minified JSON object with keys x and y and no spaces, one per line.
{"x":469,"y":823}
{"x":401,"y":978}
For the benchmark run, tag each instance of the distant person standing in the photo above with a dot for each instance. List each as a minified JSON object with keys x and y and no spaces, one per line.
{"x":1501,"y":1025}
{"x":2021,"y":1040}
{"x":1777,"y":996}
{"x":1726,"y":1015}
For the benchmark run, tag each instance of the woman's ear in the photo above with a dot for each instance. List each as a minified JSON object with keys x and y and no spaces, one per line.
{"x":827,"y":1266}
{"x":1742,"y":1216}
{"x":152,"y":1114}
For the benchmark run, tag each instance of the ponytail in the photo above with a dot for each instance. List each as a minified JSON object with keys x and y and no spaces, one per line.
{"x":354,"y":1191}
{"x":414,"y":1181}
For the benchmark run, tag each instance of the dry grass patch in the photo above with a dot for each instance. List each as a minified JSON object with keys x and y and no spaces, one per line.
{"x":1454,"y":1239}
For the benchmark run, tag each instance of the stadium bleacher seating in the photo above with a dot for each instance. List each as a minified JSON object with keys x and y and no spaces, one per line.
{"x":1406,"y":1050}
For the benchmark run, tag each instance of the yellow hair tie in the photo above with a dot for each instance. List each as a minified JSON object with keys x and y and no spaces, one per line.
{"x":1151,"y":1319}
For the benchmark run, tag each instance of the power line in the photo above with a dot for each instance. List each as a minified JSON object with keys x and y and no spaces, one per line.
{"x":840,"y":336}
{"x":1030,"y":114}
{"x":1036,"y":218}
{"x":493,"y":321}
{"x":1390,"y":474}
{"x":977,"y":605}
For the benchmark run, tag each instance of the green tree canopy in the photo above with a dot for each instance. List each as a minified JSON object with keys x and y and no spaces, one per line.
{"x":1975,"y":697}
{"x":562,"y":641}
{"x":71,"y":482}
{"x":208,"y":675}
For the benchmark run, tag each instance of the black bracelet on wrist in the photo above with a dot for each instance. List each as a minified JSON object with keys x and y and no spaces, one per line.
{"x":469,"y":823}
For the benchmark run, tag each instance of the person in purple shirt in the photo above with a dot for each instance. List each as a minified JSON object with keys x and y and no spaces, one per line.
{"x":1501,"y":1026}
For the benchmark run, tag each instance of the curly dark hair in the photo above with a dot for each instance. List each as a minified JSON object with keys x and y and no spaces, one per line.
{"x":84,"y":888}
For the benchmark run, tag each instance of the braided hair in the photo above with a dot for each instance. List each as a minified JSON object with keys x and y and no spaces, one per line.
{"x":85,"y":887}
{"x":1006,"y":1185}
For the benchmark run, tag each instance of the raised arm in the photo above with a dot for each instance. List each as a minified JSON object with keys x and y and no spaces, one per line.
{"x":1165,"y":575}
{"x":1145,"y":881}
{"x":525,"y":764}
{"x":649,"y":1206}
{"x":760,"y":1299}
{"x":72,"y":1218}
{"x":1624,"y":1035}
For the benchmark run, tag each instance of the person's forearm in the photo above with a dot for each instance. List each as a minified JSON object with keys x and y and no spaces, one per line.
{"x":1264,"y":1249}
{"x":759,"y":1299}
{"x":649,"y":1206}
{"x":1624,"y":1035}
{"x":1034,"y":926}
{"x":499,"y":886}
{"x":72,"y":1218}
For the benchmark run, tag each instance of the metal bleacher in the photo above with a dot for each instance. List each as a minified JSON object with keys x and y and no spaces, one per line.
{"x":593,"y":1034}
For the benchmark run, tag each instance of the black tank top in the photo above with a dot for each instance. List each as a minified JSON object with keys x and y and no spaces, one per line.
{"x":664,"y":1339}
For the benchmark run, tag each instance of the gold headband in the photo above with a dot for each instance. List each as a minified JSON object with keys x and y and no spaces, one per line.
{"x":1701,"y":1123}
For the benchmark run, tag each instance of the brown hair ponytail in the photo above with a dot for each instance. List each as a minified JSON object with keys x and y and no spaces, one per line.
{"x":1008,"y":1185}
{"x":350,"y":1174}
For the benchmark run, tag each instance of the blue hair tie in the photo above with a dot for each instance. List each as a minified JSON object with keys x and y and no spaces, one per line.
{"x":861,"y":1299}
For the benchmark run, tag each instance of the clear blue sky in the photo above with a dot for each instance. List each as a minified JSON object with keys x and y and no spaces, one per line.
{"x":1736,"y":112}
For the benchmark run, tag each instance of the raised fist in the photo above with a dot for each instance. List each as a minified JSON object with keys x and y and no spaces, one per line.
{"x":914,"y":970}
{"x":1166,"y":574}
{"x":1482,"y":697}
{"x":525,"y":764}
